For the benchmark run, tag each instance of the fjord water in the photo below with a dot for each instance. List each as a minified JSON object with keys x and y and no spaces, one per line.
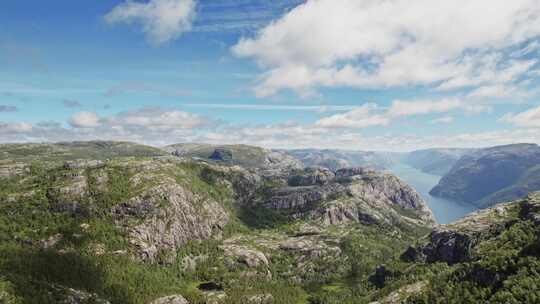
{"x":445,"y":211}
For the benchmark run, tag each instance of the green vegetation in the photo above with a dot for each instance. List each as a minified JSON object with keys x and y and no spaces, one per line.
{"x":58,"y":231}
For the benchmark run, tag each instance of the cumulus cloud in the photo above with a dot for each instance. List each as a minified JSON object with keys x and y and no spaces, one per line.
{"x":445,"y":44}
{"x":528,"y":119}
{"x":443,"y":120}
{"x":369,"y":114}
{"x":161,"y":20}
{"x":85,"y":120}
{"x":151,"y":118}
{"x":401,"y":108}
{"x":360,"y":117}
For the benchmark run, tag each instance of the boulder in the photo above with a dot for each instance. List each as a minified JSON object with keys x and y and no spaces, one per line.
{"x":252,"y":258}
{"x":265,"y":298}
{"x":175,"y":299}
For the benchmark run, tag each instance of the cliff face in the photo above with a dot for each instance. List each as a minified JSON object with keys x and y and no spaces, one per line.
{"x":349,"y":195}
{"x":492,"y":175}
{"x":170,"y":216}
{"x":457,"y":242}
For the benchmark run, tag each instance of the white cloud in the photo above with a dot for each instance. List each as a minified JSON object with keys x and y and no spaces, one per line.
{"x":273,"y":107}
{"x":367,"y":43}
{"x":528,"y":119}
{"x":422,"y":107}
{"x":157,"y":119}
{"x":369,"y":115}
{"x":15,"y":127}
{"x":161,"y":20}
{"x":85,"y":120}
{"x":443,"y":120}
{"x":360,"y":117}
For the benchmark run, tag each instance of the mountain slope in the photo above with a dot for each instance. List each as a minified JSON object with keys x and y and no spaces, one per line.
{"x":242,"y":155}
{"x":338,"y":159}
{"x":147,"y":229}
{"x":492,"y":175}
{"x":435,"y":161}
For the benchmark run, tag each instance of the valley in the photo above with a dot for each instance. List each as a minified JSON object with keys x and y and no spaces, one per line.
{"x":115,"y":222}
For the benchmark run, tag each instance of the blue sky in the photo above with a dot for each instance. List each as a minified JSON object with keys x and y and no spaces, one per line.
{"x":350,"y":74}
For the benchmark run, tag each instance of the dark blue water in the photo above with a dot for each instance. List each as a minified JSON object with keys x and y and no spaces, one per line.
{"x":445,"y":211}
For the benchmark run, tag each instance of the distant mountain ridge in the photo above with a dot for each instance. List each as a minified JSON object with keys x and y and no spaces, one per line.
{"x":488,"y":176}
{"x":435,"y":161}
{"x":338,"y":159}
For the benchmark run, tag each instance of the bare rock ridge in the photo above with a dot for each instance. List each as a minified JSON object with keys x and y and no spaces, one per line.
{"x":347,"y":195}
{"x":172,"y":216}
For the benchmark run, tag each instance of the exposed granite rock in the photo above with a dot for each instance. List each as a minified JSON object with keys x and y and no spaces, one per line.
{"x":311,"y":177}
{"x":302,"y":198}
{"x":445,"y":246}
{"x":260,"y":299}
{"x":51,"y":241}
{"x":354,"y":195}
{"x":175,"y":299}
{"x":13,"y":169}
{"x":346,"y":211}
{"x":84,"y":164}
{"x":349,"y":172}
{"x":190,"y":263}
{"x":74,"y":296}
{"x":455,"y":242}
{"x":530,"y":208}
{"x":388,"y":188}
{"x":170,"y":216}
{"x":401,"y":295}
{"x":309,"y":247}
{"x":252,"y":258}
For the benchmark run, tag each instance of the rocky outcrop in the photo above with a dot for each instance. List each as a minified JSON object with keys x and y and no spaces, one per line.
{"x":401,"y":295}
{"x":311,"y":177}
{"x":388,"y":188}
{"x":348,"y":195}
{"x":74,"y":296}
{"x":170,"y":216}
{"x":444,"y":246}
{"x":455,"y":243}
{"x":530,"y":209}
{"x":12,"y":170}
{"x":175,"y":299}
{"x":83,"y":164}
{"x":250,"y":257}
{"x":265,"y":298}
{"x":303,"y":198}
